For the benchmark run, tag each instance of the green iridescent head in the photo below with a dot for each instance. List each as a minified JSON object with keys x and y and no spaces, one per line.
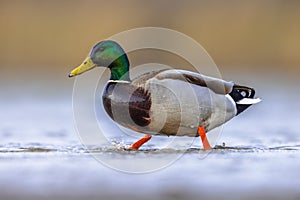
{"x":106,"y":54}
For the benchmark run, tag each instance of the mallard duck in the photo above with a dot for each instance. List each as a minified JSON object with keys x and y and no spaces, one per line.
{"x":165,"y":102}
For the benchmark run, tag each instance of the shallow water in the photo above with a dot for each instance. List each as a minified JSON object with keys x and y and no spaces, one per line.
{"x":41,"y":156}
{"x":32,"y":172}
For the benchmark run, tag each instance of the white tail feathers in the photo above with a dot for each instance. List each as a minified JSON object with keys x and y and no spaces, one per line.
{"x":248,"y":101}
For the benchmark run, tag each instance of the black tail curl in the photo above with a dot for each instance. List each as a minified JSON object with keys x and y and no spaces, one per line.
{"x":240,"y":92}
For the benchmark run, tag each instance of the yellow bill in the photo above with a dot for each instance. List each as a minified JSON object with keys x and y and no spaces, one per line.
{"x":86,"y":65}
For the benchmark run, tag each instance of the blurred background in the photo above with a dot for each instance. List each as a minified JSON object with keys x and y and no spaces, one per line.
{"x":41,"y":41}
{"x":253,"y":42}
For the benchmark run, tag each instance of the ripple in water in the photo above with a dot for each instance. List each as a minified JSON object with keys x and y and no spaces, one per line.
{"x":79,"y":149}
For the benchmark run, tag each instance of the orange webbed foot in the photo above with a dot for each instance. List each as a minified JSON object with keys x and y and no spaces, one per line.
{"x":140,"y":142}
{"x":202,"y":134}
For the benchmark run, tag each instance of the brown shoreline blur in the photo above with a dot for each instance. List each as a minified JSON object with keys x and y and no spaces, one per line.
{"x":50,"y":37}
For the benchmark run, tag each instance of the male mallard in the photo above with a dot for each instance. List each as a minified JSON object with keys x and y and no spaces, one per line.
{"x":168,"y":102}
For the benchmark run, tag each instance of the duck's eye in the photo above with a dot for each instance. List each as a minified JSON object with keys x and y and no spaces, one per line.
{"x":100,"y":49}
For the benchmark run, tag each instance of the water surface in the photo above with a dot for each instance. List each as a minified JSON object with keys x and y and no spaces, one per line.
{"x":41,"y":156}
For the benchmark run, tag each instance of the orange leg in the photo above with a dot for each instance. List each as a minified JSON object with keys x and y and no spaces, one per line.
{"x":140,"y":142}
{"x":202,"y":134}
